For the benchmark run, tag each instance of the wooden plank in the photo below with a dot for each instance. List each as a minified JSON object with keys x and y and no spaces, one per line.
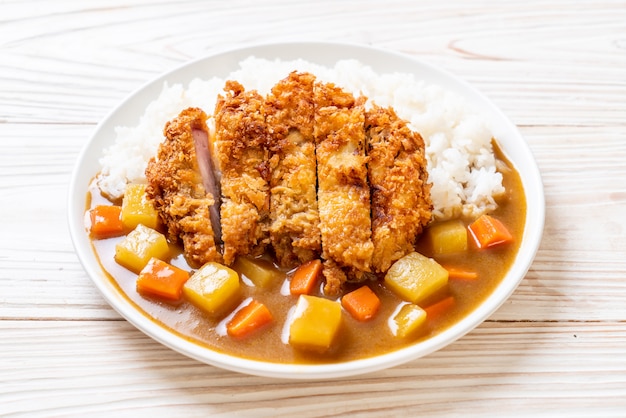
{"x":81,"y":68}
{"x":95,"y":367}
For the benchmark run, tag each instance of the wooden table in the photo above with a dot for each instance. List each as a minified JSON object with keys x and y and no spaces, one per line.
{"x":557,"y":68}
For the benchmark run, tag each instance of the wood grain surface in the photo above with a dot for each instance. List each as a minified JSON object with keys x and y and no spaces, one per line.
{"x":556,"y":68}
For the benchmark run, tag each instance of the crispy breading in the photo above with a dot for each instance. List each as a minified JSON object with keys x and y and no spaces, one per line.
{"x":343,"y":191}
{"x":306,"y":170}
{"x":334,"y":277}
{"x":241,"y":145}
{"x":401,"y":205}
{"x":176,"y":187}
{"x":290,"y":111}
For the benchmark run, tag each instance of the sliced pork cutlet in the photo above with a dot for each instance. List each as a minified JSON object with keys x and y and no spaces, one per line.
{"x":343,"y":191}
{"x":180,"y":194}
{"x":241,"y":144}
{"x":290,"y":112}
{"x":401,"y":205}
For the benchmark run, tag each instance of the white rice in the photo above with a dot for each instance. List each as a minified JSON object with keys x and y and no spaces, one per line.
{"x":461,"y":163}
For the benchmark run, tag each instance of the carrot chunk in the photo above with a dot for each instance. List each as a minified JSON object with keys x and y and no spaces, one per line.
{"x":249,"y":319}
{"x":305,"y":277}
{"x":362,"y":303}
{"x":439,"y":308}
{"x":488,"y":231}
{"x":161,"y":279}
{"x":106,"y":221}
{"x":461,"y":274}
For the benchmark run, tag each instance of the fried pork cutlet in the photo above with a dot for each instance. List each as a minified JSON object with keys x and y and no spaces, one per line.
{"x":343,"y":191}
{"x":241,"y":144}
{"x":401,"y":204}
{"x":289,"y":113}
{"x":177,"y":187}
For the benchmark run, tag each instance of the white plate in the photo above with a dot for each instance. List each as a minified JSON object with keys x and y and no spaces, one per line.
{"x":221,"y":64}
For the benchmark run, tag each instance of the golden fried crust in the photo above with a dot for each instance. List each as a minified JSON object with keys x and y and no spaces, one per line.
{"x":241,"y":143}
{"x":175,"y":185}
{"x":343,"y":190}
{"x":401,"y":205}
{"x":334,"y":277}
{"x":290,"y":112}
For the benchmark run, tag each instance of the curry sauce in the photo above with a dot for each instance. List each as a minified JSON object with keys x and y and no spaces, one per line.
{"x":356,"y":340}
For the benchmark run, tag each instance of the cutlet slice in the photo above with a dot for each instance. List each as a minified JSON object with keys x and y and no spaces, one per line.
{"x":241,"y":145}
{"x":343,"y":191}
{"x":290,"y":112}
{"x":401,"y":205}
{"x":178,"y":190}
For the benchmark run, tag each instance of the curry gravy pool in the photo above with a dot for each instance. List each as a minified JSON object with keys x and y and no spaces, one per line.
{"x":356,"y":339}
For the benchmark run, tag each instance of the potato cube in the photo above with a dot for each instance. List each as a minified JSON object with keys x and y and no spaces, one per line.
{"x":315,"y":323}
{"x":408,"y":320}
{"x":139,"y":246}
{"x":137,"y":208}
{"x":213,"y":288}
{"x":415,"y":277}
{"x":260,"y":272}
{"x":448,"y":237}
